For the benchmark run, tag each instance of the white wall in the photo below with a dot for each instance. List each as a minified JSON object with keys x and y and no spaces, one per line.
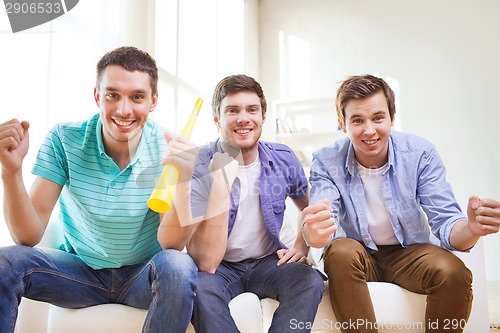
{"x":442,"y":54}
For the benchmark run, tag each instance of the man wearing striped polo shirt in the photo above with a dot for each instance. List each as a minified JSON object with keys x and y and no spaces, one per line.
{"x":101,"y":171}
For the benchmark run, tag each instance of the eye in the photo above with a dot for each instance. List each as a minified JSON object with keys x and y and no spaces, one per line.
{"x":231,"y":111}
{"x":357,"y":121}
{"x":379,"y":118}
{"x":111,"y":96}
{"x":253,"y":110}
{"x":138,"y":98}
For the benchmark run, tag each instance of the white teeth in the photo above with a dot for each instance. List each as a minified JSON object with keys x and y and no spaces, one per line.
{"x":242,"y":131}
{"x":370,"y":142}
{"x":123,"y":123}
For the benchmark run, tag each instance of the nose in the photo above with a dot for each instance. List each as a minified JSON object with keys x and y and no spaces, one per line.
{"x":124,"y":108}
{"x":242,"y":117}
{"x":369,"y":128}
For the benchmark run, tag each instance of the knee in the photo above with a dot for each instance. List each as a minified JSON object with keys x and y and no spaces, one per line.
{"x":451,"y":273}
{"x":308,"y":281}
{"x":12,"y":257}
{"x":341,"y":253}
{"x":208,"y":284}
{"x":176,"y":265}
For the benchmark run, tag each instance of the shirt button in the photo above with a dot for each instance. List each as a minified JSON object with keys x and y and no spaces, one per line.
{"x":112,"y":184}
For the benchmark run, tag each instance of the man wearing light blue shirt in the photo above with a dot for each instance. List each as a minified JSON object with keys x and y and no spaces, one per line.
{"x":374,"y":196}
{"x":101,"y":171}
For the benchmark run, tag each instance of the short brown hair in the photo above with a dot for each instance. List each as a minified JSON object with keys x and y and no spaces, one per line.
{"x":359,"y":87}
{"x":132,"y":59}
{"x":234,"y":84}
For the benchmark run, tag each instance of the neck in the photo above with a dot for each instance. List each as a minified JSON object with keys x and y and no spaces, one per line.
{"x":121,"y":152}
{"x":249,"y":155}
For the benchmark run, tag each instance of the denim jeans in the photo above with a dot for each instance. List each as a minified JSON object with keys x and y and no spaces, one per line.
{"x":297,"y":287}
{"x":165,"y":285}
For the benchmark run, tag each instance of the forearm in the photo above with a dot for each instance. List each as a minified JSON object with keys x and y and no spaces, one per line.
{"x":461,"y":237}
{"x":177,"y":225}
{"x":300,"y":243}
{"x":24,"y":223}
{"x":208,"y":244}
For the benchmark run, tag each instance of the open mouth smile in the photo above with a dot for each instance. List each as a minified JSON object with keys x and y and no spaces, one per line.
{"x":123,"y":123}
{"x":243,"y":131}
{"x":370,"y":142}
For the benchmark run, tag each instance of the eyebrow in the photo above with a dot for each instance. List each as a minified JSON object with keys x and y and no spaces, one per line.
{"x":373,"y":114}
{"x":238,"y":106}
{"x":137,"y":91}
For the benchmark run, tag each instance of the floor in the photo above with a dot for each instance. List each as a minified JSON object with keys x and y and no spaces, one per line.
{"x":493,"y":289}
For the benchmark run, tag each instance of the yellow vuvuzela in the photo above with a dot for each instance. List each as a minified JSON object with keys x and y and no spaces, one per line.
{"x":163,"y":193}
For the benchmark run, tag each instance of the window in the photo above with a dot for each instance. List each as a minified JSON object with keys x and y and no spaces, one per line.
{"x":196,"y":44}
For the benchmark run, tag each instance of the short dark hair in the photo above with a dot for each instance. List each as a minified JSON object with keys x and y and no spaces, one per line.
{"x":359,"y":87}
{"x":132,"y":59}
{"x":234,"y":84}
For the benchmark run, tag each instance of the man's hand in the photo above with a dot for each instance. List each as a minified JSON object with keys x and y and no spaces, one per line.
{"x":14,"y":144}
{"x":318,"y":224}
{"x":483,"y":216}
{"x":291,"y":255}
{"x":225,"y":164}
{"x":183,"y":154}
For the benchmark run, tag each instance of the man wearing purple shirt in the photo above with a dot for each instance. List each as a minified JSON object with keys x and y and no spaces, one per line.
{"x":237,"y":248}
{"x":374,"y":196}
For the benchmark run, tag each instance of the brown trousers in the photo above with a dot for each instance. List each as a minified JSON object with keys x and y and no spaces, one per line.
{"x":422,"y":268}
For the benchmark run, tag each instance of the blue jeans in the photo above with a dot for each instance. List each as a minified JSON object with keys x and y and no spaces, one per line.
{"x":297,"y":287}
{"x":165,"y":285}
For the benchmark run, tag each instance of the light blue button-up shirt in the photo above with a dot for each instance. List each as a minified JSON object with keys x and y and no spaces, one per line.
{"x":416,"y":193}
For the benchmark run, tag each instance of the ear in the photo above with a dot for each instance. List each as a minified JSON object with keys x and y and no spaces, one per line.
{"x":341,"y":126}
{"x":154,"y":102}
{"x":97,"y":98}
{"x":264,"y":117}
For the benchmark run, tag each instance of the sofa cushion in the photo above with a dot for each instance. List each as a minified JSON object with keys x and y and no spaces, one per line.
{"x":110,"y":318}
{"x":396,"y":310}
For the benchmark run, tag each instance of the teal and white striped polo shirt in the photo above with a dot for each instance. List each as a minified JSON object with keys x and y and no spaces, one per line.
{"x":104,"y":215}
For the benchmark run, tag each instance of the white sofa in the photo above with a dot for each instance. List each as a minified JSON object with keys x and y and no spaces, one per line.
{"x":397,"y":310}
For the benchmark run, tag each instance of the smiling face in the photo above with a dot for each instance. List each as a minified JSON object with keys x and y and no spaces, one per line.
{"x":125,"y":100}
{"x":240,"y":122}
{"x":368,"y":125}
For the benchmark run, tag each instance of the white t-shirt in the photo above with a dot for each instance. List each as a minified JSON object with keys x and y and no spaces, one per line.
{"x":379,"y":225}
{"x":249,"y":237}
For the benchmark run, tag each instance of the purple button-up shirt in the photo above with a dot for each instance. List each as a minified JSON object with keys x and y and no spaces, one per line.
{"x":281,"y":176}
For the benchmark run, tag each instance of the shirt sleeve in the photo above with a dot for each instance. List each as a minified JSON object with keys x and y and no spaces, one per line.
{"x":201,"y":183}
{"x":299,"y":187}
{"x":51,"y":162}
{"x":437,"y":198}
{"x":323,"y":187}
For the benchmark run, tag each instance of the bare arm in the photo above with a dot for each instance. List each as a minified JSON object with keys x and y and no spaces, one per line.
{"x":177,"y":225}
{"x":26,"y":214}
{"x":483,"y":219}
